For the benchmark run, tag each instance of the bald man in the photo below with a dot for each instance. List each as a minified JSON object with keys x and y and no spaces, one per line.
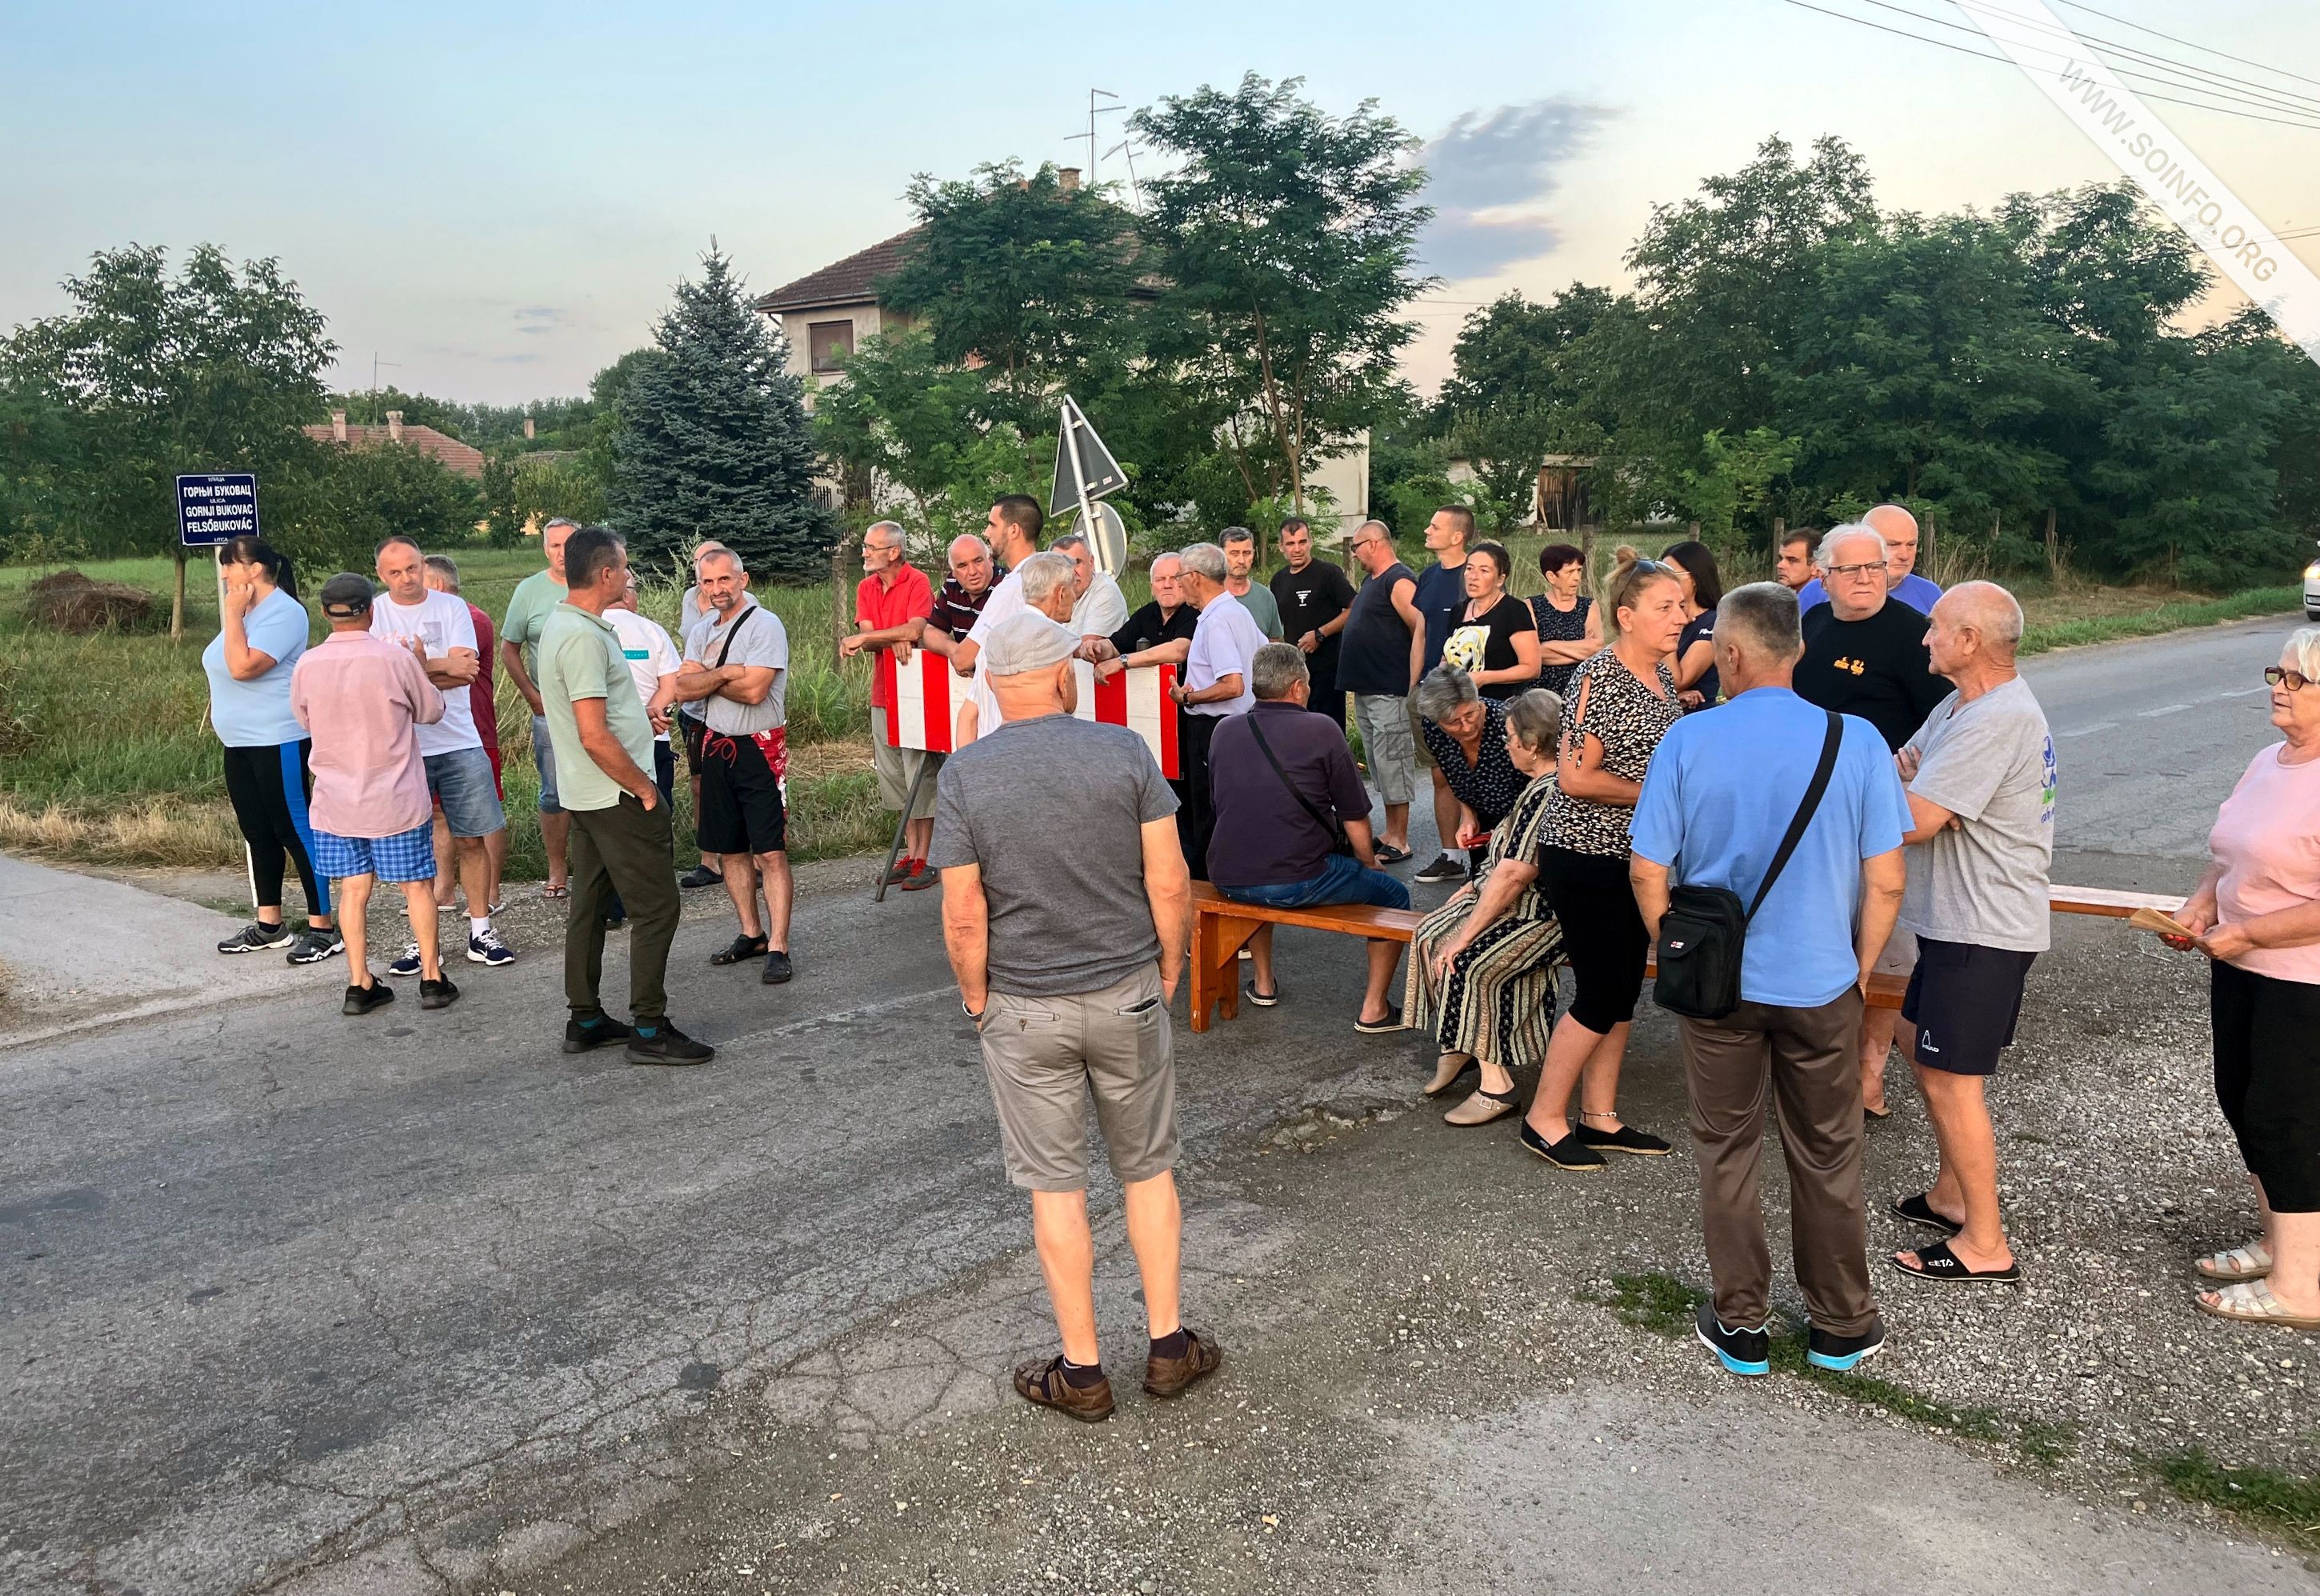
{"x":1898,"y":528}
{"x":1981,"y":778}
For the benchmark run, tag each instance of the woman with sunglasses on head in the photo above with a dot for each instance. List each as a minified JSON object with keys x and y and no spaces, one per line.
{"x":1695,"y":646}
{"x":1570,"y":626}
{"x":262,"y":631}
{"x":1620,"y":703}
{"x":2256,"y":913}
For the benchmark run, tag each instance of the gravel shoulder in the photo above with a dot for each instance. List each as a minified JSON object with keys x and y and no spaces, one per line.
{"x":1430,"y":1380}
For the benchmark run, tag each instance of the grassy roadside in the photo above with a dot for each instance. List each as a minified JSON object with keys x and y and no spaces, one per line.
{"x":2051,"y":625}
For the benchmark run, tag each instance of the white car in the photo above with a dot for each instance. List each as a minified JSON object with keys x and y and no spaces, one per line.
{"x":2311,"y":591}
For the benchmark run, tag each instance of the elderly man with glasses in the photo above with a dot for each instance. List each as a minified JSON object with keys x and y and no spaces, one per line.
{"x":891,"y":606}
{"x":1865,"y":655}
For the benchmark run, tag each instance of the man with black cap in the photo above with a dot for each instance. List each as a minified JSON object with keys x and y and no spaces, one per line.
{"x":1066,"y":907}
{"x":362,"y":699}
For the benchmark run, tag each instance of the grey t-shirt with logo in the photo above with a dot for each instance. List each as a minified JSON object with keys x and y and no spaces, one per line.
{"x":1053,"y":810}
{"x":1990,"y":762}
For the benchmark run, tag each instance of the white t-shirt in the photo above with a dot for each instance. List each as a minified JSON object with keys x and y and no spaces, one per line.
{"x":1101,"y":610}
{"x":442,"y":621}
{"x":647,"y":649}
{"x":1006,"y":599}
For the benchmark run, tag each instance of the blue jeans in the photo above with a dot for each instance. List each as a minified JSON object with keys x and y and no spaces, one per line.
{"x":1342,"y":880}
{"x":461,"y":781}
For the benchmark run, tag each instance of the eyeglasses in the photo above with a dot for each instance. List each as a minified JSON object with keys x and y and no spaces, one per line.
{"x":2279,"y":676}
{"x":1877,"y":566}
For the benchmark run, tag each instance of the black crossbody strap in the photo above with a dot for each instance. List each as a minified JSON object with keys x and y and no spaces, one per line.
{"x":1821,"y":772}
{"x":1335,"y":829}
{"x":734,"y":631}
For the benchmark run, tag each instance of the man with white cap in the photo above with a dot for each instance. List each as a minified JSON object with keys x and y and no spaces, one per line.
{"x":1066,"y":907}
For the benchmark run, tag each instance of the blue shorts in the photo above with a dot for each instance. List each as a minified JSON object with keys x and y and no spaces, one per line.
{"x":462,"y":782}
{"x":407,"y":856}
{"x":543,"y":760}
{"x":1342,"y":880}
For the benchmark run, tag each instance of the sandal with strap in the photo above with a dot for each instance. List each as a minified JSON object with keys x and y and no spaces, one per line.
{"x":2250,"y":1301}
{"x":1919,"y":1211}
{"x":1502,"y":1104}
{"x":1937,"y":1262}
{"x":739,"y":950}
{"x":2234,"y":1265}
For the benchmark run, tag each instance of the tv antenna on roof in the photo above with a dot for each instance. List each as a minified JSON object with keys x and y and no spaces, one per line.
{"x":1095,"y":111}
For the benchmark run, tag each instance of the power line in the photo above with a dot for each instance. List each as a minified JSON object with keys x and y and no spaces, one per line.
{"x":2278,"y":99}
{"x":2204,"y":49}
{"x":2003,"y":60}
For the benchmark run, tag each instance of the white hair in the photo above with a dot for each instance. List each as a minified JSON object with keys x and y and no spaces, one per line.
{"x":1825,"y":557}
{"x":1046,"y":574}
{"x":1205,"y":560}
{"x":895,"y":527}
{"x":2304,"y":643}
{"x":720,"y":552}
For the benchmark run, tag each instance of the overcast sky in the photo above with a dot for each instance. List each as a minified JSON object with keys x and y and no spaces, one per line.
{"x":495,"y":199}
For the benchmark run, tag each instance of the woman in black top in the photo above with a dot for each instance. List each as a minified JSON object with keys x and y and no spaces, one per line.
{"x":1493,"y":639}
{"x":1570,"y":626}
{"x":1695,"y":649}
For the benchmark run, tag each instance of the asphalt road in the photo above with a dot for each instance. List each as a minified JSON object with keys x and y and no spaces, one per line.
{"x":291,"y":1302}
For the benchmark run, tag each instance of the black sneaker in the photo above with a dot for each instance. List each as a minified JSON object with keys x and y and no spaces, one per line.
{"x":438,"y":994}
{"x":777,"y":968}
{"x":1744,"y":1352}
{"x":599,"y":1032}
{"x":700,"y":876}
{"x":255,"y":937}
{"x":1443,"y":868}
{"x":1570,"y":1153}
{"x":312,"y":947}
{"x":668,"y":1044}
{"x":362,"y":1000}
{"x":1626,"y":1139}
{"x":1825,"y":1349}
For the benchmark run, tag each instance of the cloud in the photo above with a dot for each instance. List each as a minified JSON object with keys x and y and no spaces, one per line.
{"x":1490,"y":174}
{"x":531,"y":320}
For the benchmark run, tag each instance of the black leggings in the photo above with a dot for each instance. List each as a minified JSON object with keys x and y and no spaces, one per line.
{"x":2267,"y":1080}
{"x":1603,"y":934}
{"x":270,"y":787}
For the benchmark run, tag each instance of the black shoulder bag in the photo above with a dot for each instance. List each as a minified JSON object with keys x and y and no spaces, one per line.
{"x":1340,"y":842}
{"x":1705,"y":930}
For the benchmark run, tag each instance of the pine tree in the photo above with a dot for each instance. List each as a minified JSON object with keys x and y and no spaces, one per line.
{"x":713,"y":441}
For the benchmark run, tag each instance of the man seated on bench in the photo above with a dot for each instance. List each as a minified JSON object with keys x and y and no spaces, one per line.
{"x":1293,"y":826}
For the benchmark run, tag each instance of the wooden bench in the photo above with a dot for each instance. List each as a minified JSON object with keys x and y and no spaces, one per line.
{"x":1222,"y":925}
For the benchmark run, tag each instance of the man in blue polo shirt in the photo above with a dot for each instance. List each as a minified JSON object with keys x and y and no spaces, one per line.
{"x":1720,"y":793}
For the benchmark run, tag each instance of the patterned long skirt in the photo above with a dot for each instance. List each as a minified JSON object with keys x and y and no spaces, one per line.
{"x":1499,"y":1002}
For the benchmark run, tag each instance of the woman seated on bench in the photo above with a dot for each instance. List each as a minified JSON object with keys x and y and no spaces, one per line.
{"x":1482,"y":968}
{"x":1466,"y":734}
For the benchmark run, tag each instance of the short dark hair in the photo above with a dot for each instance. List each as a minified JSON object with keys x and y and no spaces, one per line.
{"x":1462,"y":516}
{"x":1022,"y":511}
{"x":1555,"y":556}
{"x":1700,"y":564}
{"x":587,"y":552}
{"x":1298,"y":522}
{"x":1500,"y":560}
{"x":1804,"y":535}
{"x":391,"y":539}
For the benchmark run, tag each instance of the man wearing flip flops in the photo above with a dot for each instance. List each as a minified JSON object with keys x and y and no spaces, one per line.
{"x":1981,"y":778}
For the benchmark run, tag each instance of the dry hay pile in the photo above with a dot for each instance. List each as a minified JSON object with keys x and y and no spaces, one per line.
{"x":69,"y":601}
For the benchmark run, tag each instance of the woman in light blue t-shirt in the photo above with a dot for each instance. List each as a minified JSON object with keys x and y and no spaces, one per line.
{"x":262,"y":632}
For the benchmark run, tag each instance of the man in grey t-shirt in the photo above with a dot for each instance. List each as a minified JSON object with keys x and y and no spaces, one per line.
{"x":1981,"y":775}
{"x":1066,"y":907}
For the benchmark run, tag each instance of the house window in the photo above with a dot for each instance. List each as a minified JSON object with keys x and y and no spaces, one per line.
{"x":829,"y":342}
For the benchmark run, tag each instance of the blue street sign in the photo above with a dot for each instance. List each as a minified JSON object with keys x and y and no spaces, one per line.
{"x":216,"y":507}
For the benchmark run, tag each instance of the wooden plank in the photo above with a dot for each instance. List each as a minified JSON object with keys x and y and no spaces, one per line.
{"x":2104,"y":901}
{"x":1348,"y":920}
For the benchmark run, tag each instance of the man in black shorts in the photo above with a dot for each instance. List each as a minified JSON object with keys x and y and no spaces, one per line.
{"x":1981,"y":775}
{"x":738,"y":668}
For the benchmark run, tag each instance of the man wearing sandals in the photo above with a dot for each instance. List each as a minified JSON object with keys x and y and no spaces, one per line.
{"x":1981,"y":775}
{"x":1066,"y":907}
{"x":1723,"y":792}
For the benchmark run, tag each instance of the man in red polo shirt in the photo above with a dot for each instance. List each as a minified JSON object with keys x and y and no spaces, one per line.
{"x":890,"y":606}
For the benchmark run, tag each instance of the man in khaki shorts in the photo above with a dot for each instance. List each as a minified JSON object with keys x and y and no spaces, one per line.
{"x":1066,"y":907}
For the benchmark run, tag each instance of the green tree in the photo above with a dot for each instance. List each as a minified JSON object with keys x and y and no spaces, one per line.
{"x":335,"y":516}
{"x":1284,"y":240}
{"x":211,"y":369}
{"x":712,"y":439}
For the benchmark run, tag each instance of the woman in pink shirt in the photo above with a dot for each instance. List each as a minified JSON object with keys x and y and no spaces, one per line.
{"x":2257,"y":913}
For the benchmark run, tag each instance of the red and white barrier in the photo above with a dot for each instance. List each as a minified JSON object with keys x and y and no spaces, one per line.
{"x":929,"y":696}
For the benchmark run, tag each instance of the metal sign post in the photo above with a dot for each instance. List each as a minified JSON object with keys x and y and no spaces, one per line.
{"x":1085,"y":471}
